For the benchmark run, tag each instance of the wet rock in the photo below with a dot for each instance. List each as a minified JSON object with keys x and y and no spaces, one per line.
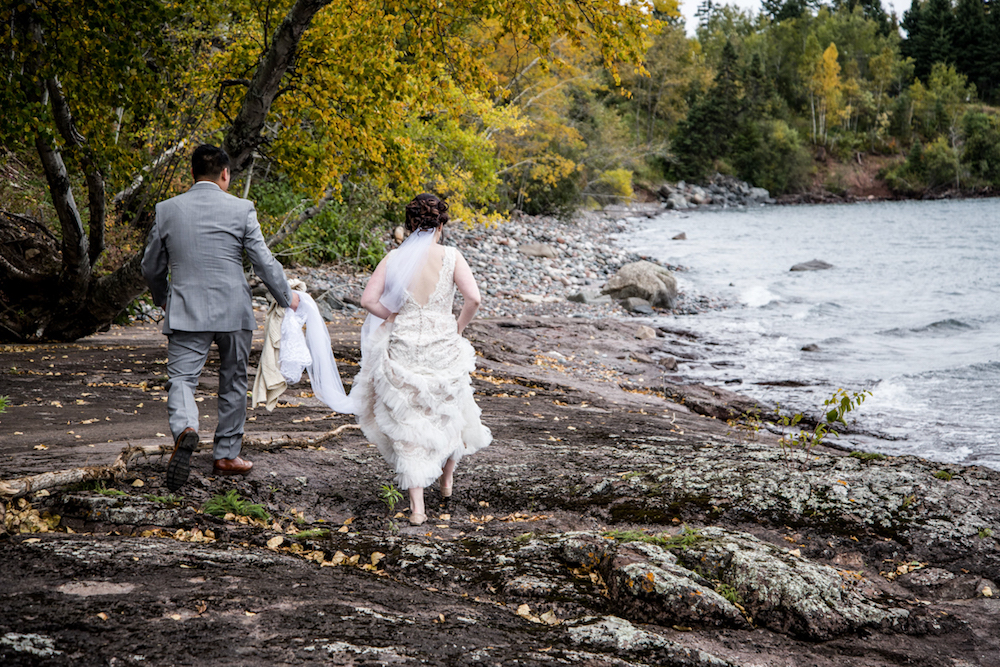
{"x":940,"y":584}
{"x":680,"y":237}
{"x":811,"y":347}
{"x":813,"y":265}
{"x":677,"y":202}
{"x":537,"y":250}
{"x":644,"y":280}
{"x":611,"y":633}
{"x":788,"y":593}
{"x":634,"y":304}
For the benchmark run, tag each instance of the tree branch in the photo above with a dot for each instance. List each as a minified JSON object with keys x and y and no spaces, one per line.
{"x":95,"y":180}
{"x":289,"y":228}
{"x":245,"y":133}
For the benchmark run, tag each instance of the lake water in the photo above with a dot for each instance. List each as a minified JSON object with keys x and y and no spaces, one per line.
{"x":910,"y":311}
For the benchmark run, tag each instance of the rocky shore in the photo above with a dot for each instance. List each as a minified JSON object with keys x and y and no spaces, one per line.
{"x":623,"y":515}
{"x":617,"y":519}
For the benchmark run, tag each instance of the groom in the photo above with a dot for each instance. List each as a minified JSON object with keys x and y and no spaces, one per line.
{"x":198,"y":240}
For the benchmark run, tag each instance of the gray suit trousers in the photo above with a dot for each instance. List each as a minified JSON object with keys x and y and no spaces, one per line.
{"x":186,"y":355}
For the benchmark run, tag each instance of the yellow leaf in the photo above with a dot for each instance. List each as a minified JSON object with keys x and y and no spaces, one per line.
{"x":104,"y":616}
{"x":41,"y":446}
{"x":138,"y":483}
{"x":376,"y":557}
{"x":275,"y":542}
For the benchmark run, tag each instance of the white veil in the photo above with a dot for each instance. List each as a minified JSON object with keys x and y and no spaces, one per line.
{"x":402,"y":263}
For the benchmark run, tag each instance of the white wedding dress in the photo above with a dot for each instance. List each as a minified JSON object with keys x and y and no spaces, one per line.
{"x":414,"y":395}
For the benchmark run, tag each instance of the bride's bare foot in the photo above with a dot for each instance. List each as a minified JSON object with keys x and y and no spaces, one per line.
{"x":446,"y":479}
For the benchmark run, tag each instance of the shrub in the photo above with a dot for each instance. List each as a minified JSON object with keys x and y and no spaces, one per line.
{"x":942,"y":164}
{"x":770,"y":154}
{"x":612,"y":186}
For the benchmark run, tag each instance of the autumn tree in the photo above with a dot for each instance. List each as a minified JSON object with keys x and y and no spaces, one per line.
{"x":110,"y":96}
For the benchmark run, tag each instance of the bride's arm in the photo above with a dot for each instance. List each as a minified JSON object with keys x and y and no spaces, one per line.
{"x":373,"y":292}
{"x":466,"y":284}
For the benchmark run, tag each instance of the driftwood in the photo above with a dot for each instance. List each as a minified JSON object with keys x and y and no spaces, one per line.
{"x":11,"y":489}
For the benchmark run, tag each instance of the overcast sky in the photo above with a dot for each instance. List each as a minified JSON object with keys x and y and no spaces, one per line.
{"x":689,"y":7}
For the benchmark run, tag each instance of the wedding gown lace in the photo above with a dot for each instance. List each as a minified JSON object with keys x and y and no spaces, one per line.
{"x":415,"y":399}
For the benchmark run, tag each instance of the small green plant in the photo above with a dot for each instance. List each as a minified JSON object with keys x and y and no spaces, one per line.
{"x":390,"y":495}
{"x":169,"y":499}
{"x":231,"y":503}
{"x":867,"y":456}
{"x":631,"y":474}
{"x":524,"y":537}
{"x":730,"y":593}
{"x":4,"y":402}
{"x":311,"y":534}
{"x":944,"y":474}
{"x":908,"y":500}
{"x":104,"y":491}
{"x":747,"y":426}
{"x":985,"y":532}
{"x":686,"y":538}
{"x":835,"y":408}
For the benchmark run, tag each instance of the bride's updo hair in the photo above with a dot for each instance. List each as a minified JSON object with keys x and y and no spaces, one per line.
{"x":425,"y":212}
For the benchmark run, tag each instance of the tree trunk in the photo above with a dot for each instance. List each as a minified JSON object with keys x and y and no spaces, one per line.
{"x":56,"y":296}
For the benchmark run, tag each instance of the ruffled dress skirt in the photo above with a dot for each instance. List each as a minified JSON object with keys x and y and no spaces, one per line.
{"x":415,"y":398}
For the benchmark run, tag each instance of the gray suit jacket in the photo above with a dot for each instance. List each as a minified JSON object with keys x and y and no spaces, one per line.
{"x":198,"y":239}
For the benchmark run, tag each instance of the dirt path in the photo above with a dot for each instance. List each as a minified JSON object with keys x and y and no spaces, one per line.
{"x":583,"y":433}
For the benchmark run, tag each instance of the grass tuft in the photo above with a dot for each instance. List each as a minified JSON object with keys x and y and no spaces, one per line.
{"x":231,"y":503}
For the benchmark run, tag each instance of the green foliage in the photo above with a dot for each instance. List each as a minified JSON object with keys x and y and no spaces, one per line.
{"x":944,"y":474}
{"x":747,"y":426}
{"x":686,"y":538}
{"x":170,"y":499}
{"x":612,"y":186}
{"x":835,"y":409}
{"x":390,"y":496}
{"x":770,"y":155}
{"x":4,"y":403}
{"x":730,"y":593}
{"x":867,"y":456}
{"x":311,"y":534}
{"x":231,"y":503}
{"x":104,"y":491}
{"x":350,"y":230}
{"x":985,"y":532}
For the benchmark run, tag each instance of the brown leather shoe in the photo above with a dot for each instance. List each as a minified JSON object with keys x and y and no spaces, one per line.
{"x":180,"y":461}
{"x":235,"y":466}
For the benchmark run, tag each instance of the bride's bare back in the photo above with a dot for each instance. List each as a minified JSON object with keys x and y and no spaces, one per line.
{"x":426,"y":278}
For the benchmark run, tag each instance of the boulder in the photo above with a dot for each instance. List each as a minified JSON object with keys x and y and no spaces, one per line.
{"x":618,"y":636}
{"x":644,"y":280}
{"x":634,"y":304}
{"x":759,"y":195}
{"x":645,"y":333}
{"x":787,"y":593}
{"x":537,"y":250}
{"x":680,"y":237}
{"x":589,"y":297}
{"x":814,"y":265}
{"x":327,"y":303}
{"x":676,"y":201}
{"x":646,"y":584}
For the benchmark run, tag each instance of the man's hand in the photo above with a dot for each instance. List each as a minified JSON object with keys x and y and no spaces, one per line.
{"x":295,"y":300}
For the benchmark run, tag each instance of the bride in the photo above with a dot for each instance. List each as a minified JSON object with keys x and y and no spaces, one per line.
{"x":413,"y":392}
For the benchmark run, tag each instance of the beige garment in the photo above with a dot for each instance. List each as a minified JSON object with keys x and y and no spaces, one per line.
{"x":269,"y":383}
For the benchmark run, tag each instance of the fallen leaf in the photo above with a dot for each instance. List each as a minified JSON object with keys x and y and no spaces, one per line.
{"x":987,"y":592}
{"x":348,"y":521}
{"x":445,"y":517}
{"x":524,"y":611}
{"x":275,"y":542}
{"x":42,"y":493}
{"x":343,"y":529}
{"x":201,"y":606}
{"x":176,"y":617}
{"x":250,"y":613}
{"x":41,"y":446}
{"x":104,"y":616}
{"x":161,"y":435}
{"x":681,"y":628}
{"x":549,"y":618}
{"x":138,"y":482}
{"x":376,"y":557}
{"x":795,"y":552}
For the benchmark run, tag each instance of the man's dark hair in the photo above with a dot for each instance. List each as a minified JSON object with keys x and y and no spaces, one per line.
{"x":208,"y":161}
